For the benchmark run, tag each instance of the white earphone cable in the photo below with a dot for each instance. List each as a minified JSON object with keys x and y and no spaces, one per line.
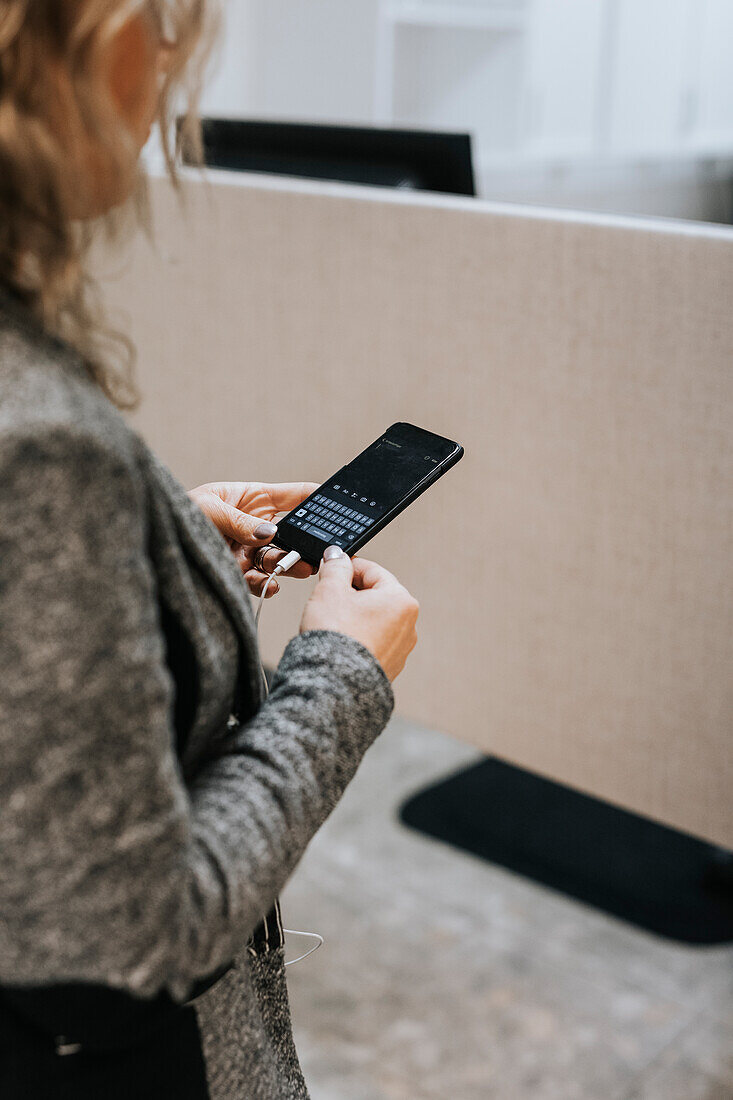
{"x":282,"y":566}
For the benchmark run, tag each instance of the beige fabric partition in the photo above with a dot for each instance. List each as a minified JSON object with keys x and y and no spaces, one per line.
{"x":575,"y":570}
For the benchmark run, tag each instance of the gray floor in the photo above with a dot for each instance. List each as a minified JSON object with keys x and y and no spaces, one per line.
{"x":444,"y":978}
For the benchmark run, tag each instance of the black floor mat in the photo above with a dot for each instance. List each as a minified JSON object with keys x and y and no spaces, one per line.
{"x":651,"y":876}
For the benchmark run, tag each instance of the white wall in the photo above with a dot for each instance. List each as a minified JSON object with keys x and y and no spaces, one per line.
{"x":230,"y":85}
{"x":617,"y":105}
{"x":309,"y":58}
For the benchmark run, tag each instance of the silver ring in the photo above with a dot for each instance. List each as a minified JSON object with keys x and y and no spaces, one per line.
{"x":258,"y":558}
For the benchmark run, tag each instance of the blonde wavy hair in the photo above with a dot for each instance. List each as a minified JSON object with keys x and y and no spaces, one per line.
{"x":43,"y":250}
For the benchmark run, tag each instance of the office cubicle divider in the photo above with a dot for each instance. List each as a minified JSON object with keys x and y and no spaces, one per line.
{"x":574,"y":571}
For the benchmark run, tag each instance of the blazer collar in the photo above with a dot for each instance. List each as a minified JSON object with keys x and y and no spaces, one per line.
{"x":13,"y":310}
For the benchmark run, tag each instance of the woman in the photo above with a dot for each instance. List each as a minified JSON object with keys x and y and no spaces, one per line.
{"x":152,"y":803}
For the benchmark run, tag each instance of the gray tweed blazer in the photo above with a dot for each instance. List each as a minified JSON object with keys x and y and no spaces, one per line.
{"x":145,"y":834}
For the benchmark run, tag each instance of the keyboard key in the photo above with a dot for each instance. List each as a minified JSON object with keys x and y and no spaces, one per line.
{"x":318,"y":532}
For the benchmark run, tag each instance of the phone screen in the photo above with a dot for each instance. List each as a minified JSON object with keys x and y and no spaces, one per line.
{"x":349,"y":507}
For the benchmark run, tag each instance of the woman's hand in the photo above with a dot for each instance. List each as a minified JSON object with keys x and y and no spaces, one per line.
{"x":363,"y":599}
{"x":243,"y":511}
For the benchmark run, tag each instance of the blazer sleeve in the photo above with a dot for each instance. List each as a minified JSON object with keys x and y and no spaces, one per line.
{"x":113,"y":871}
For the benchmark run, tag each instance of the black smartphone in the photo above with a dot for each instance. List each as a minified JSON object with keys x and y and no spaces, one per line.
{"x":363,"y":497}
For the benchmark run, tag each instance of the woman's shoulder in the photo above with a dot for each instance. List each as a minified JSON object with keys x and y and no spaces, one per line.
{"x":46,"y":392}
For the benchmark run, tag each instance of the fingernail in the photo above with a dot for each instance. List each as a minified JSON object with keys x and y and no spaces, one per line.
{"x":332,"y":552}
{"x":265,"y":531}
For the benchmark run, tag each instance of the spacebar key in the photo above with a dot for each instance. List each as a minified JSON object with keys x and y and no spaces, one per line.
{"x":318,"y":531}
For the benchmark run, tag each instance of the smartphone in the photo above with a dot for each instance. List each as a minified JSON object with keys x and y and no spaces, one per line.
{"x":363,"y":497}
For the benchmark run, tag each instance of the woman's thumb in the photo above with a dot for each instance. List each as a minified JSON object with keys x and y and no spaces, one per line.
{"x":336,"y":567}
